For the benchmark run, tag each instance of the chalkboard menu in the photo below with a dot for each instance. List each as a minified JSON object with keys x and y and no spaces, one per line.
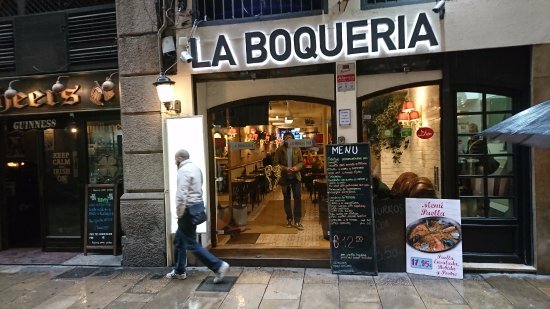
{"x":351,"y":218}
{"x":389,"y":218}
{"x":101,"y":217}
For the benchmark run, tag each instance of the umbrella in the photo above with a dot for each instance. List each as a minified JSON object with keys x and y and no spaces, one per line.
{"x":529,"y":127}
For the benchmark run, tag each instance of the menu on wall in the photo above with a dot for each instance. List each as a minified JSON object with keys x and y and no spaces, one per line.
{"x":434,"y":237}
{"x":351,"y":218}
{"x":101,"y":217}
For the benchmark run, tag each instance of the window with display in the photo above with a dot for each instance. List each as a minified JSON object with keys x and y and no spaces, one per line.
{"x":104,"y":152}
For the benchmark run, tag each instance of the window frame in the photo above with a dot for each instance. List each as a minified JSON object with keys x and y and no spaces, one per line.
{"x":486,"y":197}
{"x":237,"y":20}
{"x":368,"y":6}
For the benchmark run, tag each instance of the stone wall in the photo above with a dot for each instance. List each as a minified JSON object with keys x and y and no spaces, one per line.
{"x":142,"y":204}
{"x":541,"y":163}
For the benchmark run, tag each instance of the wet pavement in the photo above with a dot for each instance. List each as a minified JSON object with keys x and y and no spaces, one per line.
{"x":61,"y":286}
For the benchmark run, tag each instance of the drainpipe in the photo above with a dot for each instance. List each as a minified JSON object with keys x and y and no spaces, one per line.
{"x":159,"y":34}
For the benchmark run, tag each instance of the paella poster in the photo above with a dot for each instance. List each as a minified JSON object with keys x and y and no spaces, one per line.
{"x":434,"y":237}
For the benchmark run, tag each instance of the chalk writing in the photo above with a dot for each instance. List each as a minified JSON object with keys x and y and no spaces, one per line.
{"x":350,"y":209}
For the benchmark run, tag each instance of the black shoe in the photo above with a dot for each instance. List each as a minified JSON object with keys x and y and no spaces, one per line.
{"x":288,"y":222}
{"x":299,"y":226}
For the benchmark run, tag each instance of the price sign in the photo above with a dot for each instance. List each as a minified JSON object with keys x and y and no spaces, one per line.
{"x":350,"y":209}
{"x":422,"y":263}
{"x":434,"y":237}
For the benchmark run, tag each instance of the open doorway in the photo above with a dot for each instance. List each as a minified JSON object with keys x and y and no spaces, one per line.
{"x":22,"y":189}
{"x":250,"y":211}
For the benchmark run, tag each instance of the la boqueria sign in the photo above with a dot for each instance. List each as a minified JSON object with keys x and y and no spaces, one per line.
{"x":358,"y":38}
{"x":79,"y":93}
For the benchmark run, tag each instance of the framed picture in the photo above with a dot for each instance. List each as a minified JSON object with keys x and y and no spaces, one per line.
{"x":344,"y":117}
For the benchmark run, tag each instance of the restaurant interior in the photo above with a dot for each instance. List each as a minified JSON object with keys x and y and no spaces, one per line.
{"x":249,"y":201}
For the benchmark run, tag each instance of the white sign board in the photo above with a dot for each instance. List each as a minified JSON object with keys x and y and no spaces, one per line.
{"x":241,"y":145}
{"x":185,"y":133}
{"x":345,"y":77}
{"x":306,"y":142}
{"x":434,"y":237}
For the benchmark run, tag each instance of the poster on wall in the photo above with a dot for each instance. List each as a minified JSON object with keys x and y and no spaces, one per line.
{"x":345,"y":77}
{"x":434,"y":237}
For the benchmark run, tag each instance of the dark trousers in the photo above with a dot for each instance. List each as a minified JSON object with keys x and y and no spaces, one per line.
{"x":295,"y":187}
{"x":186,"y":240}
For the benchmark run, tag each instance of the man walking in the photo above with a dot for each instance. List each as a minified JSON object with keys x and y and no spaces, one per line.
{"x":189,"y":192}
{"x":290,"y":161}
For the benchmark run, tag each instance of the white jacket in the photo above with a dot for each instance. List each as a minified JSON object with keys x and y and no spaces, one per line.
{"x":189,"y":190}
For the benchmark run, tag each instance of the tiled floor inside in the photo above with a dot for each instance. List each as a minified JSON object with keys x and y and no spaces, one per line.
{"x":310,"y":237}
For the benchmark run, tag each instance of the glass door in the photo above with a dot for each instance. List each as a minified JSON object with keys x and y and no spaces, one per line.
{"x":493,"y":222}
{"x":63,"y":189}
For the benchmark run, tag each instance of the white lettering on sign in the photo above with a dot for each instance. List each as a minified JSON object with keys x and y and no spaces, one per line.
{"x":306,"y":142}
{"x":344,"y":150}
{"x":34,"y":124}
{"x":241,"y":145}
{"x":61,"y":162}
{"x":357,"y":38}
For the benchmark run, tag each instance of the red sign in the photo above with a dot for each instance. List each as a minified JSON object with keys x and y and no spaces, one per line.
{"x":425,"y":132}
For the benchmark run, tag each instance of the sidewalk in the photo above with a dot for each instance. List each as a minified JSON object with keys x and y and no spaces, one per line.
{"x":118,"y":287}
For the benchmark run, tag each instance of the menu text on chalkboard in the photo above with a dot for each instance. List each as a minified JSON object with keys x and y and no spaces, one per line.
{"x":389,"y":218}
{"x":351,"y":217}
{"x":101,"y":217}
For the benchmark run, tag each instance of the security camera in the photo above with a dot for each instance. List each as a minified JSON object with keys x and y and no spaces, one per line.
{"x":440,"y":4}
{"x":439,"y":8}
{"x":186,"y":56}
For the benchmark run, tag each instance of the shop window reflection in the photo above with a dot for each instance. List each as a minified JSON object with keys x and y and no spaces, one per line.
{"x":485,"y":168}
{"x":104,"y":152}
{"x":61,"y":189}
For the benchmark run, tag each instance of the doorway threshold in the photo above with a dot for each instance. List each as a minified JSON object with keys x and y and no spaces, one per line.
{"x":499,"y":267}
{"x":275,"y":257}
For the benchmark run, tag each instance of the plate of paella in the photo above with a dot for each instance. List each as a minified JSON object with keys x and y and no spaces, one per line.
{"x":434,"y":234}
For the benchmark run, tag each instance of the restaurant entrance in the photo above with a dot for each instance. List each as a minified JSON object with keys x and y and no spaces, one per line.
{"x":250,"y":214}
{"x":43,"y":187}
{"x":47,"y":162}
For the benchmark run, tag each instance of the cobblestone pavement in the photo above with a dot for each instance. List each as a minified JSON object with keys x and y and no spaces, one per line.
{"x":246,"y":287}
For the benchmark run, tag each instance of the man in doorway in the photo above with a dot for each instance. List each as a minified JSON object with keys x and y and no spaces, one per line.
{"x":290,"y":161}
{"x":189,"y":192}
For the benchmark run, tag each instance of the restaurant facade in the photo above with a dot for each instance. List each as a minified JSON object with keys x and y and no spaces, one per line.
{"x":416,"y":82}
{"x":60,"y":128}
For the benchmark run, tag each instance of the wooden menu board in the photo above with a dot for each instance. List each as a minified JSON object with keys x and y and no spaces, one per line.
{"x":101,"y":217}
{"x":351,"y":218}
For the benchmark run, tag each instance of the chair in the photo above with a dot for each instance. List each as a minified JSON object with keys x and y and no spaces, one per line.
{"x":239,"y":193}
{"x":402,"y":183}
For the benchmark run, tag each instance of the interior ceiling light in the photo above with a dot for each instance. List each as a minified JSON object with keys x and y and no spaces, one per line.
{"x":72,"y":127}
{"x":288,"y":116}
